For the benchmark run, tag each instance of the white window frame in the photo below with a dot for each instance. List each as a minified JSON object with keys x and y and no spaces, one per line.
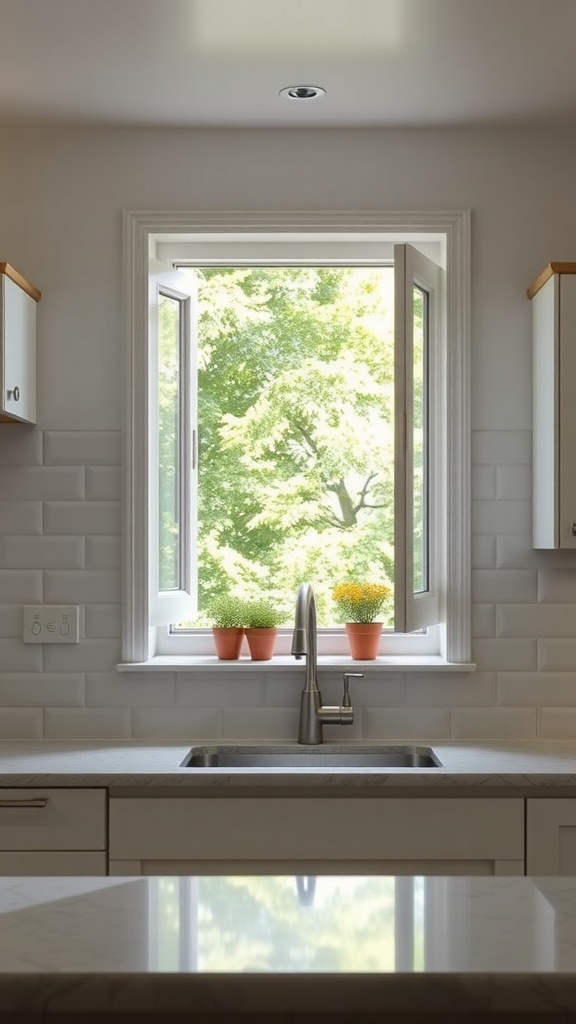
{"x":145,"y":234}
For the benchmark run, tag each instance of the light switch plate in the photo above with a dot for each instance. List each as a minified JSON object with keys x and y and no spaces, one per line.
{"x":50,"y":624}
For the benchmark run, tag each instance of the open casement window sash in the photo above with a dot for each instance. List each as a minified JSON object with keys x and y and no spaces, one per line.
{"x":416,"y":583}
{"x":172,"y":445}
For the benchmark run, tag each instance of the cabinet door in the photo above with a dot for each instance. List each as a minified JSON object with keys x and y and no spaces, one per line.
{"x":553,"y":408}
{"x":483,"y":836}
{"x":551,"y":837}
{"x":18,"y":397}
{"x":52,"y":819}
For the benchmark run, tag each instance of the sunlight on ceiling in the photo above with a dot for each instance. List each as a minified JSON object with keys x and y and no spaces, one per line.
{"x":276,"y":27}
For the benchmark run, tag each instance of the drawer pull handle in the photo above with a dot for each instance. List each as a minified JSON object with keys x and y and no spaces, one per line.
{"x":38,"y":802}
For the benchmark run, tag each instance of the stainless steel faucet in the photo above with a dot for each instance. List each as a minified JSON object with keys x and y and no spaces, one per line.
{"x":304,"y":643}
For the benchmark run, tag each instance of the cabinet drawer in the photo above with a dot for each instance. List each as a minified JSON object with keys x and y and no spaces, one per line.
{"x":46,"y":862}
{"x":52,"y":819}
{"x":335,"y":829}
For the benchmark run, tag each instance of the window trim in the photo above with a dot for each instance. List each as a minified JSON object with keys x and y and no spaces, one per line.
{"x":140,"y":230}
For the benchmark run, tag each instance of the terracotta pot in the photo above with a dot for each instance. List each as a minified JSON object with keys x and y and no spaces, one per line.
{"x":227,"y":642}
{"x":364,"y":639}
{"x":261,"y":643}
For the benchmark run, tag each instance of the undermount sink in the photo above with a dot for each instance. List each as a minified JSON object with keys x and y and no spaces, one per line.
{"x":311,"y":758}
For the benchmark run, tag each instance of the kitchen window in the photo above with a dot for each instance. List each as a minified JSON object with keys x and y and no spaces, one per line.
{"x":220,"y":466}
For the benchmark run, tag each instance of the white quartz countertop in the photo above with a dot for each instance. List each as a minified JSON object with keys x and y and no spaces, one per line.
{"x":286,"y":947}
{"x":524,"y":766}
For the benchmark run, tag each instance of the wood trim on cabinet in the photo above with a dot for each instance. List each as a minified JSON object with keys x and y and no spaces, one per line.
{"x":21,"y":281}
{"x":552,"y":268}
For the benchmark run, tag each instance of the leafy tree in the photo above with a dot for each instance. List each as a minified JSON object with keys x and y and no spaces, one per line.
{"x":295,"y":410}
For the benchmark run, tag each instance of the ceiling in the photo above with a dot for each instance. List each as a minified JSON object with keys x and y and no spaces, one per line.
{"x":223,"y":62}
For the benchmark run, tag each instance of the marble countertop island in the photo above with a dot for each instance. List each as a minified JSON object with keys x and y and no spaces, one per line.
{"x":287,"y":950}
{"x":525,"y":767}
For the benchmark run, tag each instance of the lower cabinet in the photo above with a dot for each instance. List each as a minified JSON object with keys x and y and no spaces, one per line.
{"x":53,"y":832}
{"x":333,"y":835}
{"x":551,"y":836}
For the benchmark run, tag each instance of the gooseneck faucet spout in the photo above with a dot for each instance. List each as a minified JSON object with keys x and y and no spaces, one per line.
{"x":313,"y":715}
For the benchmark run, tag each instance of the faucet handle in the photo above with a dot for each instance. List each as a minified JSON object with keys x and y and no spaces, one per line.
{"x":346,"y":702}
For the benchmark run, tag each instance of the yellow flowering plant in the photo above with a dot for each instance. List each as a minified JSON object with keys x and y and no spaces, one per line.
{"x":360,"y":602}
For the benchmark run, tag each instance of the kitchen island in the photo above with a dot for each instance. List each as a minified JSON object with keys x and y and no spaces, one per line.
{"x":287,"y":949}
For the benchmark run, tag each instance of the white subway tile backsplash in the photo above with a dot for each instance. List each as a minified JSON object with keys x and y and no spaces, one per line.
{"x":484,"y":482}
{"x":483,"y":551}
{"x":500,"y":517}
{"x":84,"y":517}
{"x":514,"y":482}
{"x":91,"y":587}
{"x":103,"y":553}
{"x":42,"y":552}
{"x":102,"y":621}
{"x":86,"y":656}
{"x":119,"y":689}
{"x":21,"y":587}
{"x":223,"y":690}
{"x":82,"y":447}
{"x":517,"y":553}
{"x":20,"y":446}
{"x":557,"y":723}
{"x":502,"y":447}
{"x":10,"y":621}
{"x":557,"y":655}
{"x":387,"y":690}
{"x":187,"y":724}
{"x":21,"y":724}
{"x":41,"y":689}
{"x":263,"y":724}
{"x":283,"y":689}
{"x":557,"y":586}
{"x":43,"y":483}
{"x":529,"y":620}
{"x":103,"y":483}
{"x":497,"y":585}
{"x":20,"y":516}
{"x":406,"y":723}
{"x":494,"y":723}
{"x":16,"y":656}
{"x":87,"y":723}
{"x":534,"y":689}
{"x":503,"y":654}
{"x":483,"y":620}
{"x":474,"y":689}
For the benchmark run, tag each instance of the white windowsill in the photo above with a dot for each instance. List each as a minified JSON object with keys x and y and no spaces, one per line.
{"x":207,"y":663}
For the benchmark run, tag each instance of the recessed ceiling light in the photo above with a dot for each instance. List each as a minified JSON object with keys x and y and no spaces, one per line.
{"x":302,"y":92}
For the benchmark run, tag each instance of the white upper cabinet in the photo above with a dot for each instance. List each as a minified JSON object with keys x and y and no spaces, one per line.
{"x":18,"y":300}
{"x":553,"y":296}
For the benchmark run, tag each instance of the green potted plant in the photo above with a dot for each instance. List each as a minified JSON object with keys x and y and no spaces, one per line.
{"x":358,"y":605}
{"x":227,"y":613}
{"x":261,"y":619}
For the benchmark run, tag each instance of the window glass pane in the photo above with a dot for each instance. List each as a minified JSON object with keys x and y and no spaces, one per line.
{"x":420,"y":307}
{"x":169,"y":360}
{"x":295,"y":420}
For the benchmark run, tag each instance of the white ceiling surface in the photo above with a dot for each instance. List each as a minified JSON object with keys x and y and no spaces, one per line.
{"x":222,"y":62}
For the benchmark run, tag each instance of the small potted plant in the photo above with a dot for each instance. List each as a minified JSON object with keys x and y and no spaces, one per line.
{"x":358,"y":605}
{"x":227,"y":613}
{"x":261,"y":620}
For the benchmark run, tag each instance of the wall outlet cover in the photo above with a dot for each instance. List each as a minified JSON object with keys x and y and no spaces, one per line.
{"x":50,"y":624}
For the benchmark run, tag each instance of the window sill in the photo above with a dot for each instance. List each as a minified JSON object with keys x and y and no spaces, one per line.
{"x":206,"y":663}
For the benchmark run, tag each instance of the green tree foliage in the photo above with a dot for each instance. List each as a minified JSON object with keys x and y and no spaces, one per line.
{"x":295,"y":412}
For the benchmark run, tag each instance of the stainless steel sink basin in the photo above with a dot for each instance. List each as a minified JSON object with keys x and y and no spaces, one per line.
{"x":310,"y":758}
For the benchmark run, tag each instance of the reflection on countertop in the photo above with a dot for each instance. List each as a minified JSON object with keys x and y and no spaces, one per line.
{"x":219,"y":943}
